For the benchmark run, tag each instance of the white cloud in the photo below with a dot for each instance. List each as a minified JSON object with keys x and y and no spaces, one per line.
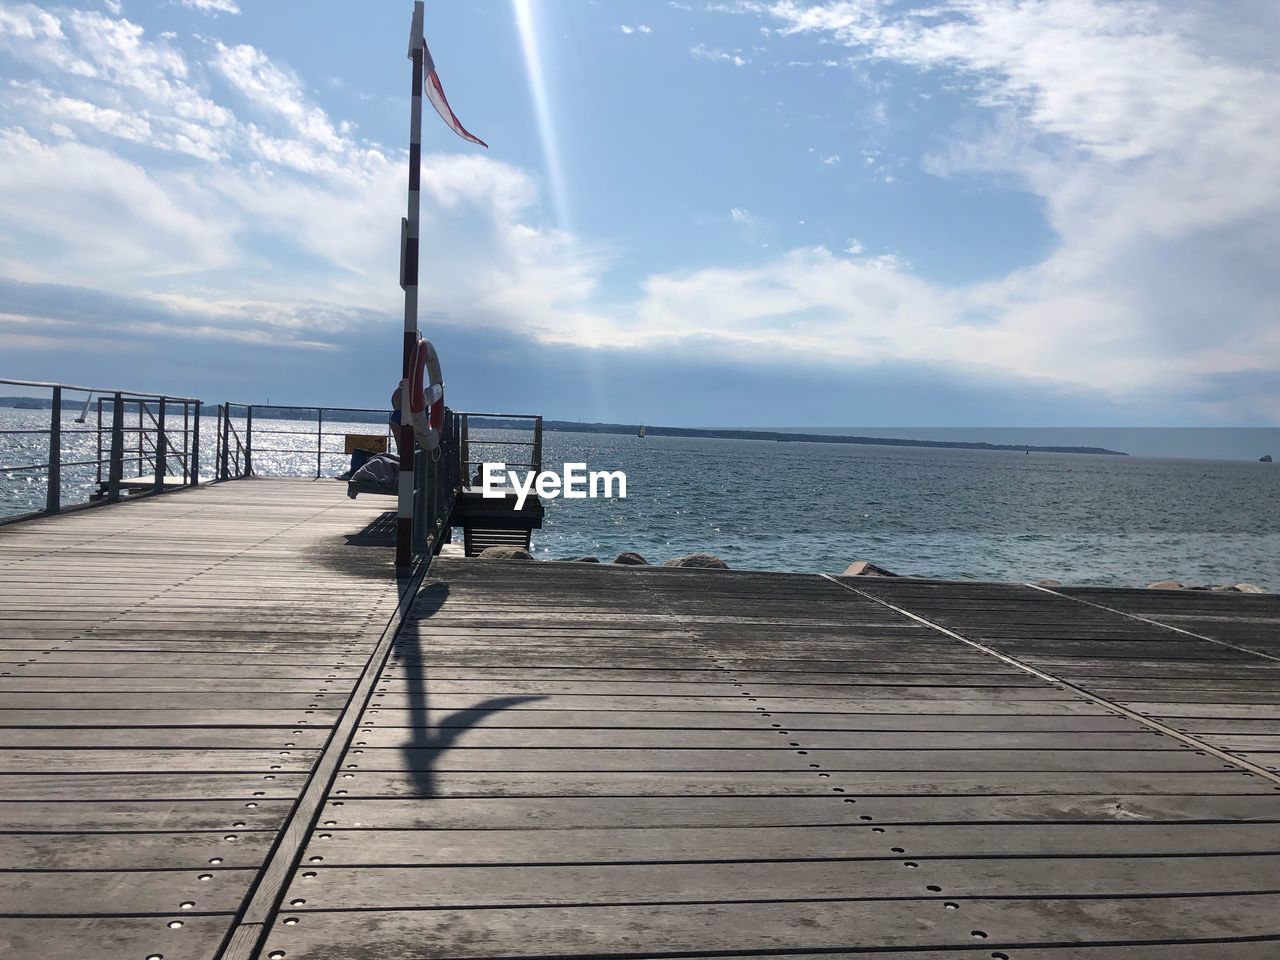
{"x":56,"y":109}
{"x":79,"y":213}
{"x":276,"y":91}
{"x":638,"y":28}
{"x":702,"y":52}
{"x":274,"y":206}
{"x":1147,"y":130}
{"x":212,"y":6}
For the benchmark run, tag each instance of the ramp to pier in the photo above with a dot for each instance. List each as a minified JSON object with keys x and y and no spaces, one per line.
{"x":562,"y":760}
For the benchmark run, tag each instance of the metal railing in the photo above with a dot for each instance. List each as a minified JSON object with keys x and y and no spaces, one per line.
{"x":137,"y":444}
{"x":231,"y":455}
{"x":438,"y":477}
{"x":150,"y":443}
{"x":288,"y":449}
{"x":481,"y":450}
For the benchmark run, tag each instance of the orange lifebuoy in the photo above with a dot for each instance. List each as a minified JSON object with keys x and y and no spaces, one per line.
{"x":426,"y":394}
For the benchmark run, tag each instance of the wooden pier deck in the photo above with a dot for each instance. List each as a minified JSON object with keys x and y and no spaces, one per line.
{"x":206,"y":722}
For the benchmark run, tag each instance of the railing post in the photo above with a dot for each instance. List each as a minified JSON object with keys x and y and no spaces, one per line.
{"x":142,"y":433}
{"x":194,"y":455}
{"x":248,"y":442}
{"x":162,"y":450}
{"x":536,"y":466}
{"x":53,"y":496}
{"x":116,"y":470}
{"x":186,"y":442}
{"x":99,"y":442}
{"x":319,"y":438}
{"x":224,"y":420}
{"x":466,"y":441}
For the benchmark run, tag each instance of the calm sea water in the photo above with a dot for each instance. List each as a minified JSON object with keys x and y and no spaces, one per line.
{"x":984,"y":515}
{"x":816,"y":507}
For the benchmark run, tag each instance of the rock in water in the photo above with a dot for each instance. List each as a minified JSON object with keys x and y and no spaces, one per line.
{"x":1248,"y":588}
{"x":708,"y":561}
{"x":505,"y":553}
{"x":865,"y":568}
{"x":631,"y":558}
{"x":581,"y":560}
{"x":1048,"y":583}
{"x":1165,"y":585}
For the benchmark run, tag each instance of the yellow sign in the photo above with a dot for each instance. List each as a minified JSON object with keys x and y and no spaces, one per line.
{"x":373,"y":442}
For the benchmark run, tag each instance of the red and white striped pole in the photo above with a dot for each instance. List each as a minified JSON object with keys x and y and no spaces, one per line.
{"x":409,"y":280}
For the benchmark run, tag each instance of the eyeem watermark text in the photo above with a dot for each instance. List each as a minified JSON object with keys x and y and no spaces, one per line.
{"x":576,"y":483}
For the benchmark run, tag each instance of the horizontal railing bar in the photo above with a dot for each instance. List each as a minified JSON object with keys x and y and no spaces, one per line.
{"x":297,"y":433}
{"x":504,"y":416}
{"x":481,"y":442}
{"x":309,"y":451}
{"x":106,"y":393}
{"x":45,"y":466}
{"x":290,"y":406}
{"x":47,"y":430}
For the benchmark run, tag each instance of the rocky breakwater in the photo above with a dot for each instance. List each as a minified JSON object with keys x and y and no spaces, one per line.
{"x":628,"y":558}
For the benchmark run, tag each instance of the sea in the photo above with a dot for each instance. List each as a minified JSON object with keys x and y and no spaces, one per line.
{"x":816,"y":507}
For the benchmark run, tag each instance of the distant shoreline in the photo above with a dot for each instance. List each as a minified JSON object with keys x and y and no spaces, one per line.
{"x":631,"y":429}
{"x":569,"y":426}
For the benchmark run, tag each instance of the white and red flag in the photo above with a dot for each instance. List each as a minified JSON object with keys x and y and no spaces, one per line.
{"x":431,"y":83}
{"x":435,"y":93}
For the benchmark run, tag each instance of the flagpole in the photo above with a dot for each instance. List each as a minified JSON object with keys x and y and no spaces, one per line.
{"x":409,"y":281}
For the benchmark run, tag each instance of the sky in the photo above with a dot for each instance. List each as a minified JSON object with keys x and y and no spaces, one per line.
{"x":838,"y":213}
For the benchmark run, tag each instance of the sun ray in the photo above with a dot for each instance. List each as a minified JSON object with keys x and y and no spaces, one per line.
{"x":542,"y":108}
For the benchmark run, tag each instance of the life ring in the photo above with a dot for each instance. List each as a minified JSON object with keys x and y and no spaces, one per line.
{"x":426,"y":395}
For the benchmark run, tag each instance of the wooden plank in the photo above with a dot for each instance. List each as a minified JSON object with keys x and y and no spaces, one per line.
{"x":623,"y":758}
{"x":958,"y":700}
{"x":125,"y":816}
{"x":158,"y":893}
{"x":111,"y":938}
{"x":646,"y":930}
{"x":237,"y":846}
{"x":110,"y":760}
{"x":156,"y":785}
{"x":893,"y":716}
{"x":351,"y":847}
{"x":759,"y":736}
{"x":164,"y":738}
{"x":410,"y":888}
{"x":499,"y":813}
{"x":190,"y":716}
{"x":777,"y":783}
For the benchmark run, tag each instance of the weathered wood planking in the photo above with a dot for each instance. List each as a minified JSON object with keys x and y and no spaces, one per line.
{"x":562,"y":759}
{"x":1194,"y":690}
{"x":170,"y":669}
{"x":567,"y":760}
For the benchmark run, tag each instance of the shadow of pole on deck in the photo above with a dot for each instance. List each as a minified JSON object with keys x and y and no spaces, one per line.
{"x":427,"y":741}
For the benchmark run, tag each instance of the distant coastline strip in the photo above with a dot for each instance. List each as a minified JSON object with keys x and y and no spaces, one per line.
{"x":571,"y":426}
{"x":568,"y":426}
